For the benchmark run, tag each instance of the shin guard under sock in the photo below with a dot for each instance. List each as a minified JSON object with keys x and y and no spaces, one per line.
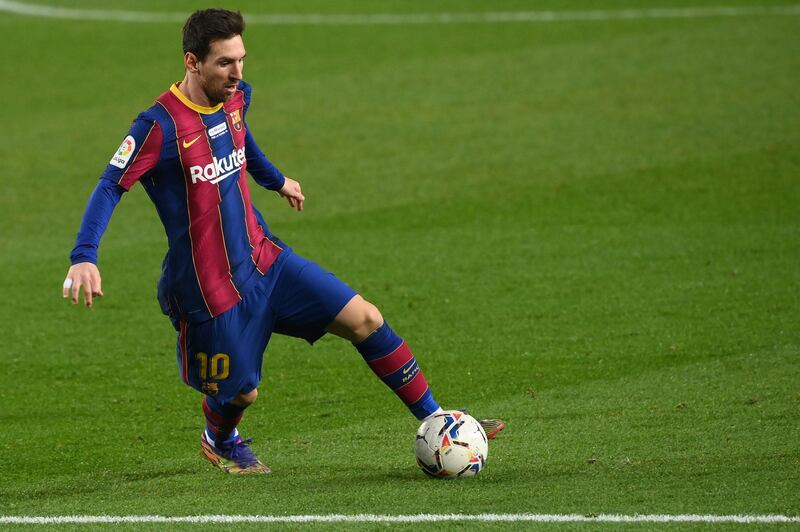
{"x":391,"y":359}
{"x":221,"y":420}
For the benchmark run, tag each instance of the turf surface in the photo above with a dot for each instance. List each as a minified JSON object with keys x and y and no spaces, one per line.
{"x":590,"y":229}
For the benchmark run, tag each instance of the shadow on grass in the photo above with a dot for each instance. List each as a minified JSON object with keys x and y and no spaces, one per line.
{"x":139,"y":476}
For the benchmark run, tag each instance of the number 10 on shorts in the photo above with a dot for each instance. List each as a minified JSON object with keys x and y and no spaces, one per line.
{"x":218,"y":367}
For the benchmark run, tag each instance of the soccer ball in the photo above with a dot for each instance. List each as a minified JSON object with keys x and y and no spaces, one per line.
{"x":451,"y":444}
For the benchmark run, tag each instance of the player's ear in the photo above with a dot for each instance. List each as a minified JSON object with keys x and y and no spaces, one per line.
{"x":191,"y":62}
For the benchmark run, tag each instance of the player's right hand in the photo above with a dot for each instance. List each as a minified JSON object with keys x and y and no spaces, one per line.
{"x":83,"y":275}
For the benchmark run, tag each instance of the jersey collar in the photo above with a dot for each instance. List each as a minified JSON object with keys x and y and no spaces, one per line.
{"x":190,"y":104}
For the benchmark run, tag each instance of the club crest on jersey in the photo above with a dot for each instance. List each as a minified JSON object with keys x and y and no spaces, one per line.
{"x":236,"y":120}
{"x":219,"y":169}
{"x":123,"y":155}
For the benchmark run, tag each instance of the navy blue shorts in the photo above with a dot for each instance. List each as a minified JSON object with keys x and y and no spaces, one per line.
{"x":222,"y":357}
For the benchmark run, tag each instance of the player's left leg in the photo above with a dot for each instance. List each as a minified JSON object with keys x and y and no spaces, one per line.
{"x":386,"y":353}
{"x":391,"y":359}
{"x":309,"y":301}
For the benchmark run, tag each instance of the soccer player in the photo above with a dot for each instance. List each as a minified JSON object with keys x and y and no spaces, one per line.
{"x":227,"y":282}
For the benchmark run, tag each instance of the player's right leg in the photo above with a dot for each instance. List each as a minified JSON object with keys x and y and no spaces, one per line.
{"x":221,"y":358}
{"x":220,"y":442}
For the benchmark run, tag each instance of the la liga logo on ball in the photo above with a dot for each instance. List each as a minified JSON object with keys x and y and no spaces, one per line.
{"x":451,"y":444}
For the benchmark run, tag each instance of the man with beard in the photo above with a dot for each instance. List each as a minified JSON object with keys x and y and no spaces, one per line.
{"x":228,"y":283}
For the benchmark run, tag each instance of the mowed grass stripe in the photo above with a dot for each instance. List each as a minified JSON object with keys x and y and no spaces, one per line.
{"x":418,"y":518}
{"x":22,"y":8}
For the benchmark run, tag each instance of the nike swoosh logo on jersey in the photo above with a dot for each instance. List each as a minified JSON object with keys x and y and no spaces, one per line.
{"x":189,"y":144}
{"x":406,"y":370}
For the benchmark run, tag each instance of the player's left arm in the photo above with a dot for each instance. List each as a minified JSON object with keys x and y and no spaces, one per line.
{"x":268,"y":176}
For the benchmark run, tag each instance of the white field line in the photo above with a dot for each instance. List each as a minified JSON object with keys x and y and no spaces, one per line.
{"x":418,"y":518}
{"x":39,"y":10}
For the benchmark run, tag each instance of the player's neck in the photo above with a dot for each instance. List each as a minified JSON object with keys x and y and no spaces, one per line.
{"x":191,"y":88}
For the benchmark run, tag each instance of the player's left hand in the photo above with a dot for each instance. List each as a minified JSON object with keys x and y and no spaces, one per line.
{"x":291,"y":191}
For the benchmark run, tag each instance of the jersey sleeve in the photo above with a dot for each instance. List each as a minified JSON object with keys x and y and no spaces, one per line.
{"x":137,"y":155}
{"x":98,"y":212}
{"x":263,"y":171}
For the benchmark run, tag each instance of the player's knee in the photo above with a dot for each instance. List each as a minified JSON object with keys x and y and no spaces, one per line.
{"x":357,"y":320}
{"x":370,"y":320}
{"x":246,"y":399}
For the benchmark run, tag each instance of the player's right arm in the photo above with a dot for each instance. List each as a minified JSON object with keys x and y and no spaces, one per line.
{"x":138,"y":154}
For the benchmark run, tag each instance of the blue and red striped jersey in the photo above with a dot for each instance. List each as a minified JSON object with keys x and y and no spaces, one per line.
{"x":192,"y":161}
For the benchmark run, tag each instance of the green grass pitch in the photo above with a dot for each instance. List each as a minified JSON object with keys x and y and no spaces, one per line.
{"x":590,"y":229}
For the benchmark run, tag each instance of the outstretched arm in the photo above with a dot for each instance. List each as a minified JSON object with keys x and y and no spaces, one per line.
{"x":137,"y":155}
{"x":84,"y":273}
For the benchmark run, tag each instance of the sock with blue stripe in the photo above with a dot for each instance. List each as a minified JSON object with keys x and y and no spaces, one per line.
{"x":221,"y":421}
{"x":391,"y":359}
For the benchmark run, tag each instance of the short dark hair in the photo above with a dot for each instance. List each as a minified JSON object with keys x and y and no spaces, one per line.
{"x":208,"y":25}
